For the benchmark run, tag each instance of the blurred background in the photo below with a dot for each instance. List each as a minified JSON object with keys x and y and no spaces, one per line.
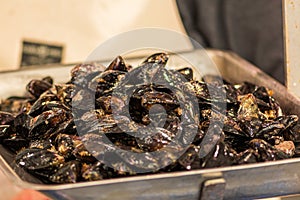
{"x":38,"y":32}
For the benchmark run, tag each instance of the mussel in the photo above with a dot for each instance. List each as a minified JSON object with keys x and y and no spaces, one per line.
{"x":122,"y":121}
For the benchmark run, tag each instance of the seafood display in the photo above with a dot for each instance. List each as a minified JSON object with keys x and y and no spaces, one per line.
{"x":94,"y":126}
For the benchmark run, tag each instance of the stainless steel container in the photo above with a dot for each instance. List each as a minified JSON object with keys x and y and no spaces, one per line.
{"x":250,"y":181}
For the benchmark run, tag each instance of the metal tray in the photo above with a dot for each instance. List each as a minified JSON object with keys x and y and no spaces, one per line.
{"x":250,"y":181}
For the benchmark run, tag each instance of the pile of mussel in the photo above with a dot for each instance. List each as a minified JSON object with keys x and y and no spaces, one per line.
{"x":88,"y":128}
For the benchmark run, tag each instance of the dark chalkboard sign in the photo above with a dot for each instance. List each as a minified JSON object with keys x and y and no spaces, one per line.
{"x":36,"y":53}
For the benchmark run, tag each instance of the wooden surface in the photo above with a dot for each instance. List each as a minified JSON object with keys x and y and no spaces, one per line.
{"x":291,"y":13}
{"x":7,"y":189}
